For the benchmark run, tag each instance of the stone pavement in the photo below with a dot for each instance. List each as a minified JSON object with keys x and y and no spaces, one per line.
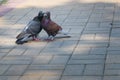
{"x":92,"y":52}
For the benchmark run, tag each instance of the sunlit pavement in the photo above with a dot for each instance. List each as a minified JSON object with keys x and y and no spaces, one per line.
{"x":92,"y":52}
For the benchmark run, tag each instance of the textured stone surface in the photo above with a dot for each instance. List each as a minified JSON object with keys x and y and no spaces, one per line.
{"x":16,"y":70}
{"x":94,"y":70}
{"x":75,"y":70}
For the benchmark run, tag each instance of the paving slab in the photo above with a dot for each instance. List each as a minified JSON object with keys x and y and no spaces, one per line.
{"x":9,"y":77}
{"x":72,"y":70}
{"x":94,"y":70}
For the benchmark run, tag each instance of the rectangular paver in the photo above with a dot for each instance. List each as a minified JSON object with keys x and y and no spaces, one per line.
{"x":73,"y":70}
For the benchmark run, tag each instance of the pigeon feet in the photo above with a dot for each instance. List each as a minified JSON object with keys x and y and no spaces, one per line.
{"x":35,"y":38}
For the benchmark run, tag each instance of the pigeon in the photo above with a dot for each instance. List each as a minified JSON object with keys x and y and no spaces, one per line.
{"x":31,"y":31}
{"x":51,"y":28}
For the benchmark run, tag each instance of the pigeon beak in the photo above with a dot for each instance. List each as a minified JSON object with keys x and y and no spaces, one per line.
{"x":45,"y":15}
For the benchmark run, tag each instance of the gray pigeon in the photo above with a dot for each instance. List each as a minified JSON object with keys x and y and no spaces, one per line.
{"x":31,"y":31}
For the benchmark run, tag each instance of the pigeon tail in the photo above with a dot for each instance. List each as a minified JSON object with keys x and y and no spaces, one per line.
{"x":62,"y":32}
{"x":50,"y":38}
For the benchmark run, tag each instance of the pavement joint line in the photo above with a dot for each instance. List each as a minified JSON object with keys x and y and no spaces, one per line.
{"x":75,"y":48}
{"x":111,"y":24}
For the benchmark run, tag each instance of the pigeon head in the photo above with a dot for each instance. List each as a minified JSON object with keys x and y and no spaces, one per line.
{"x":47,"y":15}
{"x":40,"y":15}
